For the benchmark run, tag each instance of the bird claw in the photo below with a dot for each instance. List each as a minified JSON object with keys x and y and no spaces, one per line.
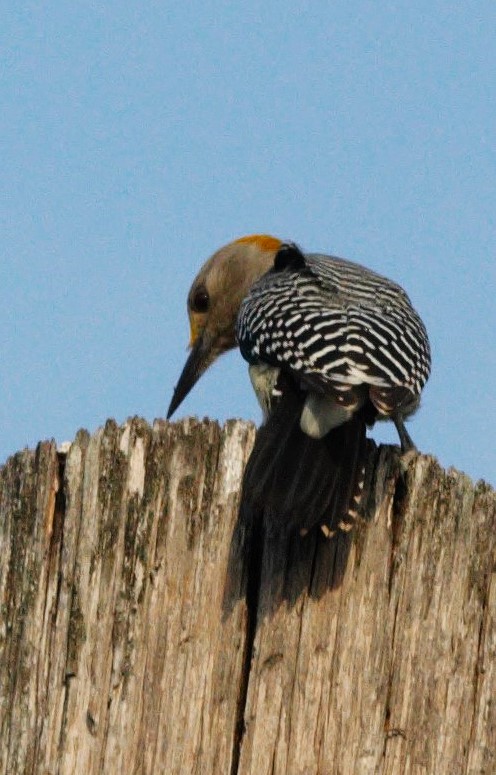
{"x":407,"y":444}
{"x":407,"y":457}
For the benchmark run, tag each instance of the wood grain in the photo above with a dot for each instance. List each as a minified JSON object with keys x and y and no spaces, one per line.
{"x":150,"y":626}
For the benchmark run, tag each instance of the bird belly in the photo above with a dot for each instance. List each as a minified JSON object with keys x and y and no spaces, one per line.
{"x":264,"y":381}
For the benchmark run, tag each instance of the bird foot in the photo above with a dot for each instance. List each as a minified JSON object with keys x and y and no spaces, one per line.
{"x":405,"y":458}
{"x":406,"y":441}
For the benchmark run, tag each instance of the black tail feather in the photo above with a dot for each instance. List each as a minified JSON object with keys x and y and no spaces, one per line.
{"x":303,"y":482}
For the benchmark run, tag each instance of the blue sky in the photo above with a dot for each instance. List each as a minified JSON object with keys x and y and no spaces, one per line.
{"x":136,"y":138}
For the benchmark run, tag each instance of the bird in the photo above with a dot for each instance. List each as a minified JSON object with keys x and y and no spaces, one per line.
{"x":331,"y":347}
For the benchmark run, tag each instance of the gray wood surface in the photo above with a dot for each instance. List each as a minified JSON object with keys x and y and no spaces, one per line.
{"x":149,"y":626}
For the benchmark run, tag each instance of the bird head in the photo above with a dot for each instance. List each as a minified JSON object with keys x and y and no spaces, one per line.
{"x":214,"y":300}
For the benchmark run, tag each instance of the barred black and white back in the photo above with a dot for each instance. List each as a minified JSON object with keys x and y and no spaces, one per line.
{"x":335,"y":322}
{"x":322,"y":329}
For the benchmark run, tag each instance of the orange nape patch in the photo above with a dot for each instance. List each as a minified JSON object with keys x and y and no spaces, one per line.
{"x":264,"y":241}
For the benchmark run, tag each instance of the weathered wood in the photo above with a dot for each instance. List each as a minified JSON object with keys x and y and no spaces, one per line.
{"x":147,"y":628}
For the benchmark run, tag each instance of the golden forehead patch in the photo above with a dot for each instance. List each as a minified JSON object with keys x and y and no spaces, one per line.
{"x":264,"y":241}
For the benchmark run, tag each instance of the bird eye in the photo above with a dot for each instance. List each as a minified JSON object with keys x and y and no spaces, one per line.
{"x":200,"y":300}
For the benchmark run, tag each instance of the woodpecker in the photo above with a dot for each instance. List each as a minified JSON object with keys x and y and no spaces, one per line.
{"x":331,"y":347}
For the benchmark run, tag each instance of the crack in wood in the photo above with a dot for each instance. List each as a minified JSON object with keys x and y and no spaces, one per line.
{"x":254,"y":577}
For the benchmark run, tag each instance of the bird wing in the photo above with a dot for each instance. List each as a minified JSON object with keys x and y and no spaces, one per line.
{"x":334,"y":324}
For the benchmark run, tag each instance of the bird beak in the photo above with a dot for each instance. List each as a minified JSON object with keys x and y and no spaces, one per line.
{"x":199,"y":359}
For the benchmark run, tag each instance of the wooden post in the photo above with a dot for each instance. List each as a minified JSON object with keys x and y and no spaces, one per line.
{"x":147,"y":626}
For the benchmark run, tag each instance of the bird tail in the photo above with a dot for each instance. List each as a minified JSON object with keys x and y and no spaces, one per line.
{"x":302,"y":482}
